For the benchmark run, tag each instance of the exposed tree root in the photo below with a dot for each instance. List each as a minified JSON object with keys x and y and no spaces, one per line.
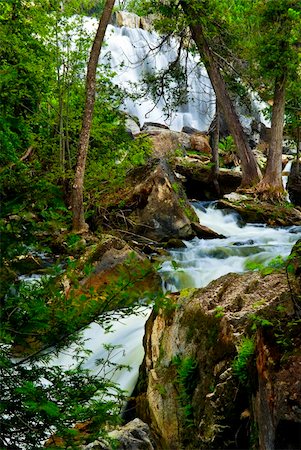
{"x":264,"y":191}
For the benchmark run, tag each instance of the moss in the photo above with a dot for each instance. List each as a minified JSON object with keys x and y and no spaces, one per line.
{"x":186,"y":380}
{"x":191,"y":214}
{"x":176,"y":187}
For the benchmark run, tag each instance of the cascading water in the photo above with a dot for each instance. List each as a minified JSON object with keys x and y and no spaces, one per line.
{"x":122,"y":346}
{"x":243,"y":247}
{"x":129,"y":53}
{"x":132,"y":53}
{"x":194,"y":266}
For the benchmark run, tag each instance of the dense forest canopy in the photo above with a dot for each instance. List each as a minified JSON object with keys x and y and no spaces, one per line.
{"x":44,"y":54}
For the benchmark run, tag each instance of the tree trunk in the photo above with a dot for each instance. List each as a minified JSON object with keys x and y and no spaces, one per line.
{"x":298,"y":148}
{"x":214,"y":147}
{"x":250,"y":171}
{"x":272,"y":180}
{"x":77,"y":205}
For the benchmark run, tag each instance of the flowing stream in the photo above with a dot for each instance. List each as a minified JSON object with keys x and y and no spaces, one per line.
{"x":245,"y":246}
{"x":121,"y":346}
{"x":200,"y":262}
{"x":132,"y":53}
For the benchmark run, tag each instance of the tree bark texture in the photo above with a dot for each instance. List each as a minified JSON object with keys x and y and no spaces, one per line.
{"x":214,"y":146}
{"x":273,"y":173}
{"x":77,"y":205}
{"x":250,"y":171}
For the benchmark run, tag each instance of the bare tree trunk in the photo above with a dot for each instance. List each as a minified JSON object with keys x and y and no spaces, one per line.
{"x":77,"y":205}
{"x":272,"y":180}
{"x":250,"y":171}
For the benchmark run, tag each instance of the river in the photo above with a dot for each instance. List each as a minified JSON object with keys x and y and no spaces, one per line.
{"x":201,"y":261}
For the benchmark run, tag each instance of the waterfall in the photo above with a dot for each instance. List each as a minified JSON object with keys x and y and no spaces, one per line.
{"x":285,"y":175}
{"x":132,"y":53}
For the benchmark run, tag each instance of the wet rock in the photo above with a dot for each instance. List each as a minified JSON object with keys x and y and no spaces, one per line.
{"x":204,"y":232}
{"x":112,"y":257}
{"x":153,"y":126}
{"x":132,"y":126}
{"x":126,"y":19}
{"x":175,"y":243}
{"x":199,"y":179}
{"x":261,"y":212}
{"x":190,"y":130}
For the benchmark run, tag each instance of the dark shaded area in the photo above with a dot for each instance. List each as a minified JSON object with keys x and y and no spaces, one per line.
{"x":288,"y":435}
{"x":294,"y":184}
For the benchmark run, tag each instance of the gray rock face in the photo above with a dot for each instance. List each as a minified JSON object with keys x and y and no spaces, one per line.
{"x":132,"y":126}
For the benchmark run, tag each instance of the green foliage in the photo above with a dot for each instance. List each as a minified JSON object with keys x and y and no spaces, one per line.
{"x":227,"y":145}
{"x":176,"y":187}
{"x":113,"y":153}
{"x":242,"y":362}
{"x":138,"y":7}
{"x":273,"y":265}
{"x":186,"y":382}
{"x":39,"y":398}
{"x":219,"y":312}
{"x":23,"y":58}
{"x":259,"y":322}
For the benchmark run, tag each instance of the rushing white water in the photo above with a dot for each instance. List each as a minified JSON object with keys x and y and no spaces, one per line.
{"x":132,"y":53}
{"x":194,"y":266}
{"x":285,"y":174}
{"x":244,"y":245}
{"x":125,"y":348}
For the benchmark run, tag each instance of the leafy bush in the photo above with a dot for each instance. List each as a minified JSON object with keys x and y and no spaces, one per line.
{"x":39,"y":399}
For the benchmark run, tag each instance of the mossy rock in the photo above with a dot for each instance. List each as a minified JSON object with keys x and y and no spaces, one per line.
{"x":254,"y":211}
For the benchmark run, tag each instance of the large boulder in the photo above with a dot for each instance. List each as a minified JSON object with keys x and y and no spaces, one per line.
{"x":113,"y":262}
{"x":164,"y":141}
{"x":152,"y":205}
{"x":223,"y":362}
{"x":255,"y":211}
{"x":126,"y":19}
{"x":200,"y":183}
{"x":167,"y":143}
{"x":200,"y":143}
